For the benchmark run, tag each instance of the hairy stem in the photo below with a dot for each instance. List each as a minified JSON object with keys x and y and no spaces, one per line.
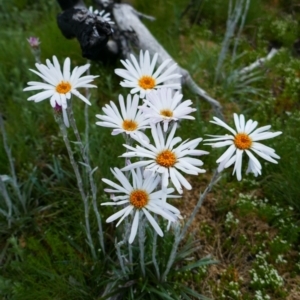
{"x":172,"y":254}
{"x":238,"y":36}
{"x":215,"y":104}
{"x":180,"y":237}
{"x":7,"y":201}
{"x":259,"y":62}
{"x":154,"y":249}
{"x":119,"y":254}
{"x":92,"y":184}
{"x":234,"y":15}
{"x":11,"y":165}
{"x":79,"y":183}
{"x":86,"y":112}
{"x":199,"y":203}
{"x":142,"y":239}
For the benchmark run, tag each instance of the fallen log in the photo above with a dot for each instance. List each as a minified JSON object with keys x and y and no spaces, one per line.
{"x":129,"y":33}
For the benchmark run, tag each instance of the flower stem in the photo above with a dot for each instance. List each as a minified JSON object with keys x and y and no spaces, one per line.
{"x":130,"y":256}
{"x":86,"y":121}
{"x":86,"y":112}
{"x":11,"y":164}
{"x":119,"y":254}
{"x":172,"y":254}
{"x":79,"y":183}
{"x":180,"y":237}
{"x":202,"y":197}
{"x":7,"y":201}
{"x":142,"y":244}
{"x":128,"y":141}
{"x":86,"y":160}
{"x":154,"y":249}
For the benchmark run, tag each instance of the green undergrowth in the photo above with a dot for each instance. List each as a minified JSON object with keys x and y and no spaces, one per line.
{"x":252,"y":229}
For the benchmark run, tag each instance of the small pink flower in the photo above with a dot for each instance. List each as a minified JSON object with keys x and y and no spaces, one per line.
{"x":34,"y":42}
{"x":57,"y":107}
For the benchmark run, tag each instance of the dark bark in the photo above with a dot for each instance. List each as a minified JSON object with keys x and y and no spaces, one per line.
{"x":128,"y":34}
{"x":67,"y":4}
{"x":90,"y":31}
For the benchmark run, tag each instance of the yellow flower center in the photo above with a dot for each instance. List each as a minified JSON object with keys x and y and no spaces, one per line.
{"x":139,"y":198}
{"x":242,"y":141}
{"x":166,"y":158}
{"x":166,"y":113}
{"x":129,"y":125}
{"x":147,"y":82}
{"x":63,"y":87}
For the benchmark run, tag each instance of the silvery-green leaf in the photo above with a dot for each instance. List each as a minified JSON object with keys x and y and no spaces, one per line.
{"x":84,"y":164}
{"x":5,"y":178}
{"x":94,"y":170}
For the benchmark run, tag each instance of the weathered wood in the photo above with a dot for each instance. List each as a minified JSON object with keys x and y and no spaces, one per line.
{"x":127,"y":18}
{"x":129,"y":34}
{"x":91,"y":31}
{"x":259,"y":62}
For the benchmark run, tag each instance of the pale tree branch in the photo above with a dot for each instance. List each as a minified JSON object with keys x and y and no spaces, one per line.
{"x":127,"y":35}
{"x":127,"y":19}
{"x":259,"y":62}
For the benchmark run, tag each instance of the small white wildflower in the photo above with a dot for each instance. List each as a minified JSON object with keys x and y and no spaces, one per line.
{"x":243,"y":139}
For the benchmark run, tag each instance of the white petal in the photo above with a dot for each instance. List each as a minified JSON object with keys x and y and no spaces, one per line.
{"x":230,"y":161}
{"x":41,"y":96}
{"x":65,"y":117}
{"x":254,"y":161}
{"x":237,"y":123}
{"x":153,"y":222}
{"x":227,"y":154}
{"x":182,"y":180}
{"x":116,"y":215}
{"x":127,"y":212}
{"x":76,"y":93}
{"x":238,"y":164}
{"x":265,"y":156}
{"x":219,"y":122}
{"x":134,"y":227}
{"x":175,"y":181}
{"x":242,"y":123}
{"x":66,"y":70}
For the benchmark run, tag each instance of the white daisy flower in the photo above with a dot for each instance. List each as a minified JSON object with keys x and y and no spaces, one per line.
{"x":163,"y":158}
{"x":164,"y":106}
{"x":59,"y":84}
{"x":243,"y":139}
{"x":34,"y":42}
{"x":140,"y":197}
{"x":130,"y":121}
{"x":141,"y":78}
{"x":105,"y":16}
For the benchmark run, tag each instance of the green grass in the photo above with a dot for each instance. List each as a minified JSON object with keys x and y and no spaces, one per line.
{"x":44,"y":255}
